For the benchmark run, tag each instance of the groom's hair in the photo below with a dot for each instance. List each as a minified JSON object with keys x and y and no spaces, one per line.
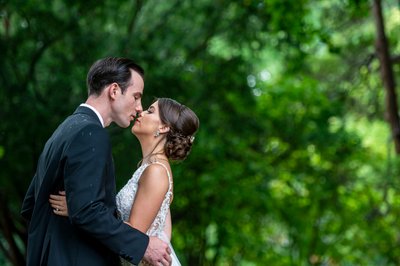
{"x":109,"y":70}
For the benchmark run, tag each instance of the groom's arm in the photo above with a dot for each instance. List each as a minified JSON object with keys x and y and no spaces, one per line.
{"x":85,"y":180}
{"x":29,"y":201}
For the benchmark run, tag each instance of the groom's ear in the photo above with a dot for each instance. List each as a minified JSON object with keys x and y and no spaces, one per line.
{"x":112,"y":90}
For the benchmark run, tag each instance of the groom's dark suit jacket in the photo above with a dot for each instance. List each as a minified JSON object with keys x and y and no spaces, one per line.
{"x":77,"y":158}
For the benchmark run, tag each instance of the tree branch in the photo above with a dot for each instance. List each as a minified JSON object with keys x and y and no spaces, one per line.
{"x":163,"y":19}
{"x":6,"y":24}
{"x":136,"y":10}
{"x":387,"y":76}
{"x":395,"y":59}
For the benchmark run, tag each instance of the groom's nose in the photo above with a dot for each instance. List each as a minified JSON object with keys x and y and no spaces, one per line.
{"x":139,"y":109}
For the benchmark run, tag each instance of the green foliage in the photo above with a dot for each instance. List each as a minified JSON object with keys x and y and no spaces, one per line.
{"x":293,"y":163}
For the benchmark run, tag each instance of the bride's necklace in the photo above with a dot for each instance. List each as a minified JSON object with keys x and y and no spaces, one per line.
{"x":154,"y":157}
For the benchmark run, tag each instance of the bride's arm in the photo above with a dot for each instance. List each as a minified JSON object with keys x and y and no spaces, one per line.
{"x":153,"y":185}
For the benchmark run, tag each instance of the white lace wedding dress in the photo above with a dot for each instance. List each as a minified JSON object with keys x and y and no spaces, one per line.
{"x":125,"y":198}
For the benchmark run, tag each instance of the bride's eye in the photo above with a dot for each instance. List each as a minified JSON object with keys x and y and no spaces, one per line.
{"x":150,"y":110}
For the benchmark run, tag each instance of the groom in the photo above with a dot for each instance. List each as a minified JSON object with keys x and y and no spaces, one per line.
{"x":77,"y":158}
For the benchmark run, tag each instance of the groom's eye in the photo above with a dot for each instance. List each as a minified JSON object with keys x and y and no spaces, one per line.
{"x":137,"y":96}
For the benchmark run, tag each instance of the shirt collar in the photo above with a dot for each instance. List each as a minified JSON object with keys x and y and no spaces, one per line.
{"x":95,"y":111}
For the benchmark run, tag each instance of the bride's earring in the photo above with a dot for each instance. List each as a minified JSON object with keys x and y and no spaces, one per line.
{"x":157,"y":133}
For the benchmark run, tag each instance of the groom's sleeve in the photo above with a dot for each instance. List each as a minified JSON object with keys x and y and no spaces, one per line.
{"x":29,"y":201}
{"x":87,"y":169}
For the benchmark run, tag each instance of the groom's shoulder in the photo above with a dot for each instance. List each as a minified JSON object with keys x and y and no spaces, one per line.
{"x":79,"y":123}
{"x":83,"y":117}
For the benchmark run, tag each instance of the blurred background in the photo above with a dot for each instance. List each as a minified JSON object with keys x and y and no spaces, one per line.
{"x":297,"y":158}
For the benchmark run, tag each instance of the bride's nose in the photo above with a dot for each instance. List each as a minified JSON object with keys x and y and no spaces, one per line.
{"x":139,"y":114}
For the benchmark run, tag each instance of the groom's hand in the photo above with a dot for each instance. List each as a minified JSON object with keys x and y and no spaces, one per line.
{"x":157,"y":252}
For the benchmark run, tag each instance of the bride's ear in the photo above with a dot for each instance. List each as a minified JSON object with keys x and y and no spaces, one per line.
{"x":164,"y":129}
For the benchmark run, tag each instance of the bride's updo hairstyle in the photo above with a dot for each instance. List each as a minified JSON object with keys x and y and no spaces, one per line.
{"x":183,"y":124}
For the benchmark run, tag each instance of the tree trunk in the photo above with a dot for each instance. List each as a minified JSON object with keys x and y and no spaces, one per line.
{"x":382,"y":51}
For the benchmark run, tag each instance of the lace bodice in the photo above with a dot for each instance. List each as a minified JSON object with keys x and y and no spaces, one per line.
{"x":126,"y":197}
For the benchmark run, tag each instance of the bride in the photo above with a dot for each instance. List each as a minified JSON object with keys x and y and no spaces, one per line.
{"x":166,"y":133}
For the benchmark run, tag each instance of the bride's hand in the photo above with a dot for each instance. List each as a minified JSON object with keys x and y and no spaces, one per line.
{"x":59,"y":204}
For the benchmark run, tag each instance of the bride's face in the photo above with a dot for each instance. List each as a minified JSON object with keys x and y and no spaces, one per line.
{"x":148,"y":121}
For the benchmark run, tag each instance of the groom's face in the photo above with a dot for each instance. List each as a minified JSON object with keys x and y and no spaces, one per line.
{"x":129,"y":103}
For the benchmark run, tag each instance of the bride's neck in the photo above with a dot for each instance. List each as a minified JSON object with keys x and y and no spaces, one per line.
{"x":152,"y":151}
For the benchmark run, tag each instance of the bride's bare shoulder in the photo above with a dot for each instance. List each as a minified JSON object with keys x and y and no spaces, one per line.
{"x":155,"y":175}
